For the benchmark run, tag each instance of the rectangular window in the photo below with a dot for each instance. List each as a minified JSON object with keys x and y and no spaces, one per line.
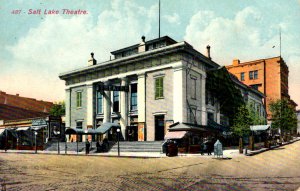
{"x":159,"y":88}
{"x":243,"y":76}
{"x":255,"y":86}
{"x":194,"y":88}
{"x":210,"y":116}
{"x":99,"y":102}
{"x":115,"y":101}
{"x":79,"y":99}
{"x":251,"y":75}
{"x":79,"y":125}
{"x":255,"y":74}
{"x":133,"y":97}
{"x":192,"y":115}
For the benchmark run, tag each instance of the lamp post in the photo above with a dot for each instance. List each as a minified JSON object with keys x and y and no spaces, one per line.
{"x":66,"y":147}
{"x":118,"y":132}
{"x":5,"y":140}
{"x":35,"y":133}
{"x":58,"y":148}
{"x":77,"y":141}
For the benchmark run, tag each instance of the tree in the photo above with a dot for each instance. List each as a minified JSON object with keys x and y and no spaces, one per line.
{"x":242,"y":122}
{"x":256,"y":119}
{"x":283,"y":115}
{"x":58,"y":109}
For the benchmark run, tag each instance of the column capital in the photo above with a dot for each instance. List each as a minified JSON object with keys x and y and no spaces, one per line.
{"x":141,"y":75}
{"x":90,"y":85}
{"x":178,"y":66}
{"x":124,"y":79}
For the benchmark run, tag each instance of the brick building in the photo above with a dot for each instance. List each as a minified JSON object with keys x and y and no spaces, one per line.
{"x":25,"y":103}
{"x":269,"y":76}
{"x":20,"y":117}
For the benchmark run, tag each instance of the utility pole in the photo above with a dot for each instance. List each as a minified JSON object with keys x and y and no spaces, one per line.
{"x":159,"y":19}
{"x":280,"y":42}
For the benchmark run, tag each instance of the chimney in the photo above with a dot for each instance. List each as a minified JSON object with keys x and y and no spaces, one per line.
{"x":235,"y":62}
{"x":142,"y":46}
{"x":92,"y":60}
{"x":208,"y":51}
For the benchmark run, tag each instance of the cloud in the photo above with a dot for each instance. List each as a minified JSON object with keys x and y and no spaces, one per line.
{"x":173,"y":19}
{"x":60,"y":44}
{"x":247,"y":36}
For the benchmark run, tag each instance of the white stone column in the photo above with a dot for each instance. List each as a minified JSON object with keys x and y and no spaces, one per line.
{"x":203,"y":90}
{"x":124,"y":107}
{"x":68,"y":106}
{"x":141,"y":89}
{"x":89,"y":108}
{"x":89,"y":103}
{"x":106,"y":107}
{"x":178,"y":94}
{"x":141,"y":105}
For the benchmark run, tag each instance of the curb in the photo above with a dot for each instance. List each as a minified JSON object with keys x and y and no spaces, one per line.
{"x":84,"y":155}
{"x":252,"y":153}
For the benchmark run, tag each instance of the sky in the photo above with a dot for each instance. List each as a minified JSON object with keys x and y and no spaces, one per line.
{"x":36,"y":48}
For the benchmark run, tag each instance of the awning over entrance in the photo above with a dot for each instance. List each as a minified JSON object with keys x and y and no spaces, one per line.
{"x":71,"y":131}
{"x":175,"y":134}
{"x":100,"y":130}
{"x":260,"y":127}
{"x":22,"y":128}
{"x":186,"y":127}
{"x":106,"y":127}
{"x":216,"y":126}
{"x":36,"y":128}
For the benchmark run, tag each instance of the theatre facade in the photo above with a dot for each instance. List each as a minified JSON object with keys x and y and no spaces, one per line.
{"x":145,"y":88}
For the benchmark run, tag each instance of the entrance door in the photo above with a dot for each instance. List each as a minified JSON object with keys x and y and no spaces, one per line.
{"x":159,"y":127}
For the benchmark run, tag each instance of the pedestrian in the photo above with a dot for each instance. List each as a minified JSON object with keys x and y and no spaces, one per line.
{"x":87,"y":146}
{"x":131,"y":134}
{"x":209,"y":147}
{"x":98,"y":145}
{"x":202,"y":148}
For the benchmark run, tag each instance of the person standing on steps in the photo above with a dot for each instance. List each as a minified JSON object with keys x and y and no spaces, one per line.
{"x":87,"y":146}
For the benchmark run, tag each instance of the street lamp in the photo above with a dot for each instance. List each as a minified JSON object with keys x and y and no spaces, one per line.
{"x":35,"y":133}
{"x":118,"y":132}
{"x":66,"y":147}
{"x":77,"y":141}
{"x":5,"y":140}
{"x":58,"y":148}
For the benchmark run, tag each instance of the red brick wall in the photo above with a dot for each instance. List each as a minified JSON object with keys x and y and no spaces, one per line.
{"x":25,"y":103}
{"x":246,"y":68}
{"x":275,"y":81}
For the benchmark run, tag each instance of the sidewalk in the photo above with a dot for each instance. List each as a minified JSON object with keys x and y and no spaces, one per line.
{"x":226,"y":154}
{"x":255,"y":152}
{"x":230,"y":153}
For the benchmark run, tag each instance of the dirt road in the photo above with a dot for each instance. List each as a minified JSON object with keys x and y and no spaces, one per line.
{"x":273,"y":170}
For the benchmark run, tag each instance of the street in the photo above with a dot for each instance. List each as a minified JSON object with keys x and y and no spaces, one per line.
{"x":276,"y":169}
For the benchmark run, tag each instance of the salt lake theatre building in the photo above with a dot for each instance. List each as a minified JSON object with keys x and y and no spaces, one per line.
{"x":146,"y":88}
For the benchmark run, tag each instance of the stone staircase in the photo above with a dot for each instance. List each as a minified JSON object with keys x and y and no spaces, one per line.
{"x":138,"y":146}
{"x":125,"y":146}
{"x":71,"y":146}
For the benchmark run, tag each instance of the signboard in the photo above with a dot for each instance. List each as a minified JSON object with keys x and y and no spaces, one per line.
{"x":141,"y":129}
{"x":102,"y":87}
{"x":39,"y":122}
